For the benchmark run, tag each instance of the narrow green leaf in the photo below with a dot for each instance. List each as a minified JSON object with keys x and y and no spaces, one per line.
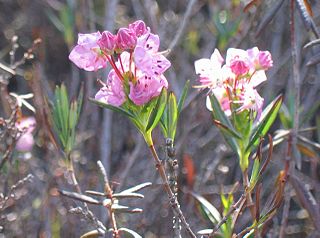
{"x":108,"y":106}
{"x":79,"y":102}
{"x":211,"y":212}
{"x":285,"y":117}
{"x":157,"y":111}
{"x":227,"y":130}
{"x":172,"y":115}
{"x":163,"y":122}
{"x":218,"y":114}
{"x":255,"y":173}
{"x":306,"y":116}
{"x":267,"y":118}
{"x":183,"y":96}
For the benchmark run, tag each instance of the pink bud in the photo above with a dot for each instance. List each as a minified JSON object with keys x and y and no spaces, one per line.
{"x":239,"y":67}
{"x":107,"y":42}
{"x":139,"y":28}
{"x":25,"y":143}
{"x":265,"y":60}
{"x":126,"y":39}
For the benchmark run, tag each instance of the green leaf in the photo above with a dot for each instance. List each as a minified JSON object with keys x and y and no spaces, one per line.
{"x":285,"y":117}
{"x":172,"y":115}
{"x":219,"y":115}
{"x":183,"y":96}
{"x":131,"y":232}
{"x":227,"y":130}
{"x":306,"y":116}
{"x":267,"y":118}
{"x":157,"y":111}
{"x":113,"y":108}
{"x":79,"y":102}
{"x":255,"y":173}
{"x":211,"y":212}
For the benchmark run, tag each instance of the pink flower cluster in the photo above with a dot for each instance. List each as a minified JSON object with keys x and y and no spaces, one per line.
{"x":236,"y":80}
{"x":137,"y":65}
{"x":25,"y":141}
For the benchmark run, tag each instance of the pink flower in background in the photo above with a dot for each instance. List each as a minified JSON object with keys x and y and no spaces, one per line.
{"x":243,"y":71}
{"x":265,"y":60}
{"x":107,"y":42}
{"x":250,"y":99}
{"x":209,"y":70}
{"x":146,"y":55}
{"x":26,"y":141}
{"x":87,"y":54}
{"x":113,"y":92}
{"x":260,"y":60}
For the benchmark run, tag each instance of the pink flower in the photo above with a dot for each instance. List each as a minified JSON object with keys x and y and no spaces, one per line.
{"x":26,"y":141}
{"x":250,"y":99}
{"x":139,"y":28}
{"x":107,"y":42}
{"x":146,"y":55}
{"x":261,"y":60}
{"x":113,"y":92}
{"x":87,"y":54}
{"x":126,"y":39}
{"x":146,"y":88}
{"x":238,"y":61}
{"x":265,"y":60}
{"x":209,"y":70}
{"x":221,"y":94}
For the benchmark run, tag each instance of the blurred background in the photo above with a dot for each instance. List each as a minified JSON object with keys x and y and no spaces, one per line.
{"x":192,"y":29}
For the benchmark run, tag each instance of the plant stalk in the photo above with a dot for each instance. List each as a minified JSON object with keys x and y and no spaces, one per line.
{"x":172,"y":168}
{"x":172,"y":198}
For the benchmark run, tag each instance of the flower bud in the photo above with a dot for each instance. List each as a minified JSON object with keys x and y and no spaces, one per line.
{"x":126,"y":39}
{"x":107,"y":42}
{"x":265,"y":60}
{"x":139,"y":28}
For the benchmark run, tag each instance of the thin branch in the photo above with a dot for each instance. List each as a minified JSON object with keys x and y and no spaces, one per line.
{"x":172,"y":198}
{"x":229,"y":213}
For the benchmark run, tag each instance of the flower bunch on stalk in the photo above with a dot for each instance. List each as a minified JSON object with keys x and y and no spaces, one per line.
{"x":136,"y":80}
{"x":137,"y":65}
{"x":234,"y":100}
{"x":234,"y":83}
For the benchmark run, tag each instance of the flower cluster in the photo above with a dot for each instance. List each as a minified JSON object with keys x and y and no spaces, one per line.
{"x":137,"y":65}
{"x":234,"y":83}
{"x":25,"y":141}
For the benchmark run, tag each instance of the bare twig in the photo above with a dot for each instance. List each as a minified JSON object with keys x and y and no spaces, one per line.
{"x":11,"y":193}
{"x":296,"y":80}
{"x":182,"y":26}
{"x":109,"y":192}
{"x":172,"y":165}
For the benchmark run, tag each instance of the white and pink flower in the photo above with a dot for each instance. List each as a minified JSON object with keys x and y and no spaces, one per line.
{"x":242,"y":72}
